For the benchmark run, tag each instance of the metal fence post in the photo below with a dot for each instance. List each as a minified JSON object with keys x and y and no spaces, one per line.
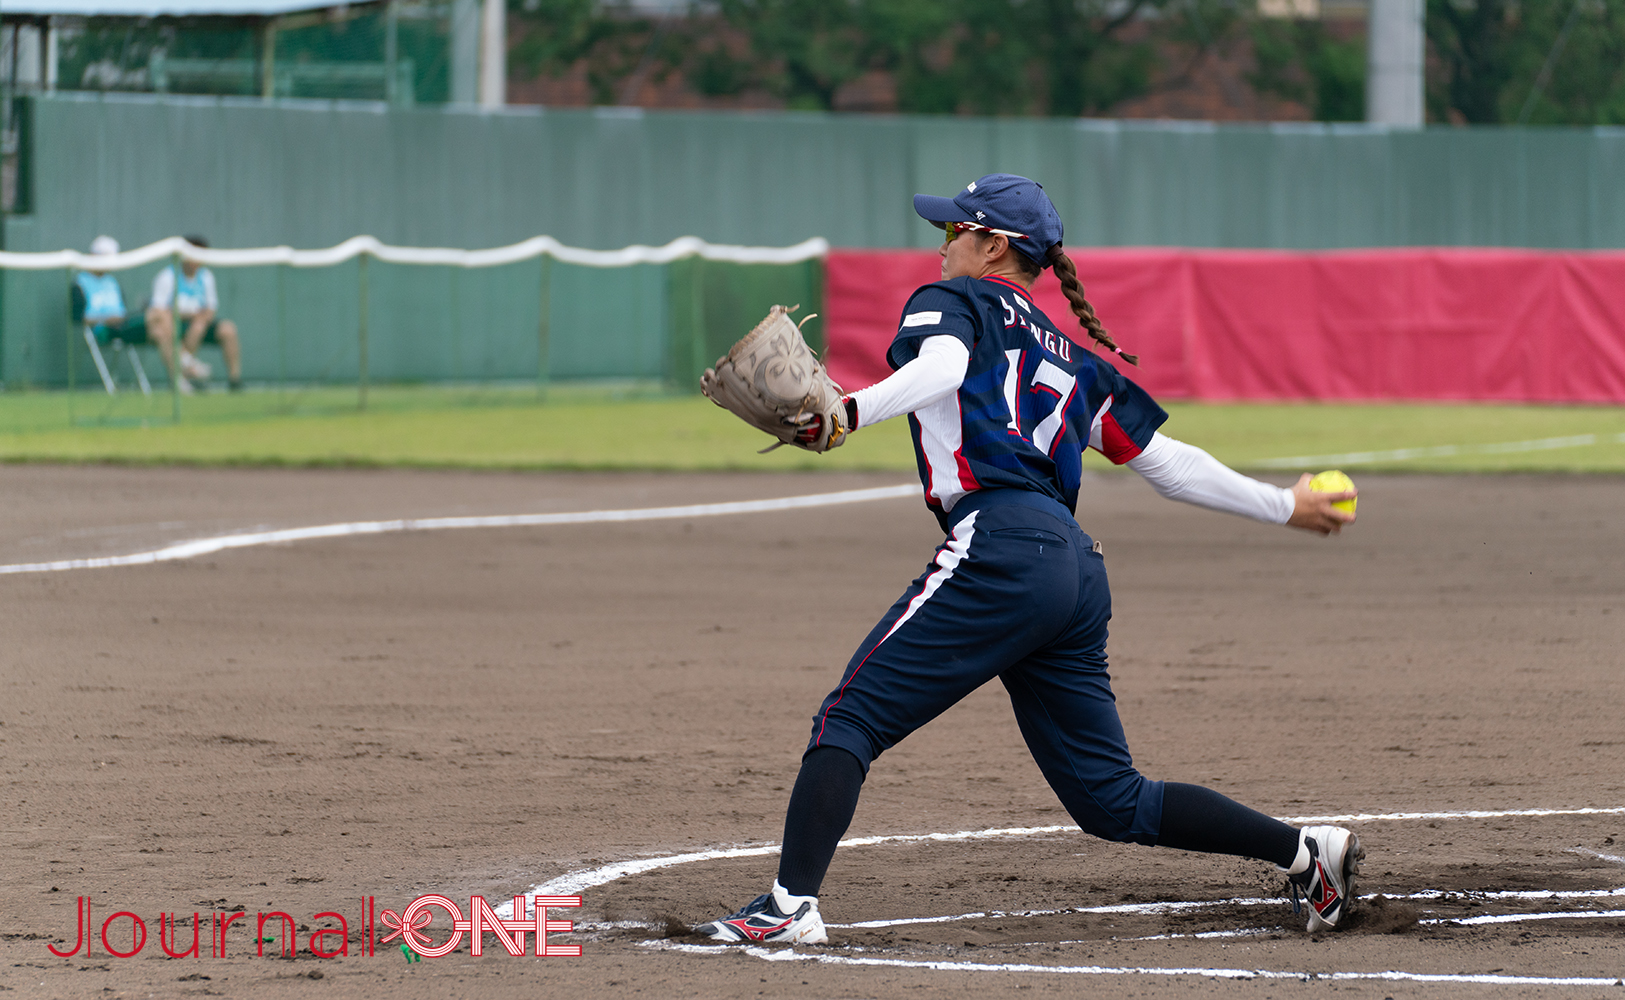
{"x":281,"y":336}
{"x":544,"y":330}
{"x":361,"y":330}
{"x":176,"y":335}
{"x":73,"y":360}
{"x":699,"y":359}
{"x":457,"y":367}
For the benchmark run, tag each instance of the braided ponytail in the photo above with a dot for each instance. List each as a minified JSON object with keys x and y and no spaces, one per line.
{"x":1067,"y":272}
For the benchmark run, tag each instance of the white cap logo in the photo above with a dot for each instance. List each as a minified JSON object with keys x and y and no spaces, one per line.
{"x":971,"y":186}
{"x":981,"y":215}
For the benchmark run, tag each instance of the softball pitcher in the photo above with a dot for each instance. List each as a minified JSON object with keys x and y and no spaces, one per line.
{"x":1001,"y":405}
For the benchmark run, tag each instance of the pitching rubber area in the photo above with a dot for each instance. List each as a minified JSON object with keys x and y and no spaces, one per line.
{"x":280,"y":690}
{"x":1440,"y":909}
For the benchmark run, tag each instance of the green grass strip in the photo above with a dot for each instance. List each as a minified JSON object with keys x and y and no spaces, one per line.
{"x":586,"y":429}
{"x":635,"y":427}
{"x":1252,"y":434}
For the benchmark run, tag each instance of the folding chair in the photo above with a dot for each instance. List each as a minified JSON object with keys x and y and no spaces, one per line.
{"x":120,"y":348}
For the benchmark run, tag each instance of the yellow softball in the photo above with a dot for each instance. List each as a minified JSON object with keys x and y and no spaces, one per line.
{"x":1334,"y":481}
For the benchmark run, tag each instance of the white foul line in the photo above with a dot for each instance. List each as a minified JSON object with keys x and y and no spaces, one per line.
{"x":1518,"y":918}
{"x":208,"y":546}
{"x":790,"y":955}
{"x":1465,"y":814}
{"x":1439,"y":451}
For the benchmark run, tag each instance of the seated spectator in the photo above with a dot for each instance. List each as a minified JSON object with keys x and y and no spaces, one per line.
{"x":99,"y":301}
{"x":189,"y":300}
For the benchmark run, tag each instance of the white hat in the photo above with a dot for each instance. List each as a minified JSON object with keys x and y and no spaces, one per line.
{"x":104,"y":245}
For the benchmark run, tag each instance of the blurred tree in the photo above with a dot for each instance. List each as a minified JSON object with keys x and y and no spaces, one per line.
{"x":1584,"y":83}
{"x":1045,"y":57}
{"x":1542,"y":61}
{"x":1301,"y":61}
{"x":612,"y":39}
{"x":802,"y":51}
{"x":1476,"y":42}
{"x":1057,"y":57}
{"x":1187,"y":33}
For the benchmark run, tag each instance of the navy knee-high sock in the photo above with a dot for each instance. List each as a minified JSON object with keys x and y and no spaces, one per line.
{"x":1199,"y":819}
{"x":821,"y":808}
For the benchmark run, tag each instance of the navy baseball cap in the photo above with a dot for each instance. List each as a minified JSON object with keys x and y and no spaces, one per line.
{"x":1001,"y":201}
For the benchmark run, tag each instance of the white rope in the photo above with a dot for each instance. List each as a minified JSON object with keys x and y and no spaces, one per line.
{"x":355,"y":246}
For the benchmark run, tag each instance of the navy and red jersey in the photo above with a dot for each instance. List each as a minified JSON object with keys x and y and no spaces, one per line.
{"x":1032,"y":398}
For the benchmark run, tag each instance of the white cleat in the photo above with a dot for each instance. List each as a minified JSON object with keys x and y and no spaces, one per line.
{"x":1328,"y":859}
{"x":772,"y":918}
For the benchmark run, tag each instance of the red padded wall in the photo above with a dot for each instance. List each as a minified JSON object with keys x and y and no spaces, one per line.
{"x":1415,"y":324}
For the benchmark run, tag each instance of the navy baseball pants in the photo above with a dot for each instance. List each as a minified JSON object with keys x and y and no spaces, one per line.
{"x":1016,"y":592}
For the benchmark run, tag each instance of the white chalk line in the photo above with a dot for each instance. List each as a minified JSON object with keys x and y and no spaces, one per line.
{"x":1517,"y":918}
{"x":208,"y":546}
{"x":1615,"y":858}
{"x":574,"y":883}
{"x":1134,"y":909}
{"x":1163,"y":908}
{"x":1495,"y":918}
{"x":1439,"y":451}
{"x":1500,"y":918}
{"x":1199,"y":935}
{"x":1156,"y":909}
{"x":577,"y":882}
{"x":1459,"y":814}
{"x":791,"y":955}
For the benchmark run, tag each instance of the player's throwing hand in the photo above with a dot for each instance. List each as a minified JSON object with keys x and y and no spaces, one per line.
{"x":1313,"y":511}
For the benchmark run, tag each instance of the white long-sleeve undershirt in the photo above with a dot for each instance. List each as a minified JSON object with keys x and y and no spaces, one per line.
{"x":1181,"y":471}
{"x":937,"y":371}
{"x":1174,"y":469}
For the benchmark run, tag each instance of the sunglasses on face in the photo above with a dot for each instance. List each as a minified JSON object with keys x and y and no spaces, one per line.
{"x":955,"y":228}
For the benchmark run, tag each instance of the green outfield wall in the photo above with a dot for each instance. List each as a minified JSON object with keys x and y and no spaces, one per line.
{"x":313,"y":173}
{"x":651,"y":322}
{"x":310,"y":174}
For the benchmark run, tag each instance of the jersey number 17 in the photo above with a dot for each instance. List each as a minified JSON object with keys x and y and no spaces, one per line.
{"x":1049,"y":391}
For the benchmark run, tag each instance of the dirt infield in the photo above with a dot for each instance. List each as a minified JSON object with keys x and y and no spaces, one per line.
{"x":293,"y":728}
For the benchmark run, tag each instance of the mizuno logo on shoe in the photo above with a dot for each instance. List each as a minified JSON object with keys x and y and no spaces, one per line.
{"x":1323,"y":896}
{"x":758,"y":932}
{"x":762,"y":921}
